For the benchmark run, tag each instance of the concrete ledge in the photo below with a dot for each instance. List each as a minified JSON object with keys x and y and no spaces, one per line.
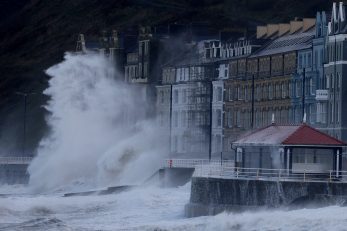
{"x":210,"y":196}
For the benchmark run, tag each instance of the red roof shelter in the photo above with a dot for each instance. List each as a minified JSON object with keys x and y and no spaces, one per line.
{"x":296,"y":148}
{"x":307,"y":135}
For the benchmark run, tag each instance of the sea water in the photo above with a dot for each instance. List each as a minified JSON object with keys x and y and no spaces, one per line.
{"x":147,"y":208}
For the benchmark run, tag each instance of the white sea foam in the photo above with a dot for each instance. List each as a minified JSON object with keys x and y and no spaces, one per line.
{"x":152,"y":208}
{"x":90,"y":141}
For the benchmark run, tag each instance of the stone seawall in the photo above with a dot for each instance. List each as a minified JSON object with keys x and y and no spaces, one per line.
{"x":173,"y":177}
{"x":210,"y":196}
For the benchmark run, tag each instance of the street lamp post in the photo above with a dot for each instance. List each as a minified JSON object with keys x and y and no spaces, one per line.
{"x":25,"y":95}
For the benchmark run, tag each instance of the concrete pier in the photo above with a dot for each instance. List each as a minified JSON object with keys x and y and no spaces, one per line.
{"x":210,"y":196}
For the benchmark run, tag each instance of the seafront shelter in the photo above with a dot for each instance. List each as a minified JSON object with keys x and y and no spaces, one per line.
{"x":293,"y":148}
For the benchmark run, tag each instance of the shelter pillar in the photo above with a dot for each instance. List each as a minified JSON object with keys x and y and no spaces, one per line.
{"x":338,"y":162}
{"x":288,"y":160}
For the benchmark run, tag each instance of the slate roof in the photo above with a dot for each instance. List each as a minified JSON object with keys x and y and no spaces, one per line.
{"x":288,"y":135}
{"x":287,"y":43}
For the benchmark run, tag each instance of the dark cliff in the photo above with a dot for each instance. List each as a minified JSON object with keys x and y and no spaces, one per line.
{"x":36,"y":33}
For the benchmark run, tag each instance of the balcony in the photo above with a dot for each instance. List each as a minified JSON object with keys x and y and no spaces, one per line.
{"x":322,"y":95}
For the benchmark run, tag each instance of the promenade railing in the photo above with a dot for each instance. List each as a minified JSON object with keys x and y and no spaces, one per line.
{"x":193,"y":163}
{"x":15,"y":160}
{"x":231,"y":172}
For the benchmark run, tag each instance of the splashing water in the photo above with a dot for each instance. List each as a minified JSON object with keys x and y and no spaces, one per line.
{"x":91,"y":143}
{"x":95,"y":137}
{"x":151,"y":208}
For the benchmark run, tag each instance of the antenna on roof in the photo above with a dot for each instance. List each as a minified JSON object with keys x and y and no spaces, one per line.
{"x":273,"y":118}
{"x":304,"y":119}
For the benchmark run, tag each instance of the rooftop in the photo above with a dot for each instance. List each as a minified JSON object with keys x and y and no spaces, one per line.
{"x":287,"y":43}
{"x":288,"y":135}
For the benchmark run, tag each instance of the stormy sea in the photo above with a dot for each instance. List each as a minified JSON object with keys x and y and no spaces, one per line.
{"x":146,"y":208}
{"x":99,"y":138}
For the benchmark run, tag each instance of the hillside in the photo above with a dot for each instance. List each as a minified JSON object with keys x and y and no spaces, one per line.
{"x":36,"y":33}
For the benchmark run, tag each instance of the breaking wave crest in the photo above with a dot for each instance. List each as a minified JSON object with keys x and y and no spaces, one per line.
{"x":97,"y":132}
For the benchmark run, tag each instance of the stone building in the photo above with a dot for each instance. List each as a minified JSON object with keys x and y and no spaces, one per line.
{"x":237,"y":94}
{"x":268,"y":81}
{"x":164,"y":103}
{"x":220,"y":116}
{"x":107,"y":44}
{"x":141,"y":68}
{"x":318,"y":55}
{"x":335,"y":70}
{"x":184,"y":101}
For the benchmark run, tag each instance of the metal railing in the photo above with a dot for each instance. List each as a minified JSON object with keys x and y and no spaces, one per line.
{"x":15,"y":160}
{"x":193,"y":163}
{"x":231,"y":172}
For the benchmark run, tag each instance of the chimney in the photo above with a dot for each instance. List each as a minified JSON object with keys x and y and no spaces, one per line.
{"x":334,"y":13}
{"x":308,"y":23}
{"x":283,"y":29}
{"x":342,"y":12}
{"x":261,"y":31}
{"x":272,"y":29}
{"x":295,"y":26}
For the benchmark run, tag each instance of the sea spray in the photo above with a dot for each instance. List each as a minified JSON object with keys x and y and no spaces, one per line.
{"x":98,"y":134}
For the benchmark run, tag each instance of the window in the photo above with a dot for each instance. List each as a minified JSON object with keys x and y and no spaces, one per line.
{"x":270,"y":91}
{"x":312,"y":87}
{"x":140,"y":70}
{"x":175,"y":143}
{"x":219,"y":118}
{"x":140,"y":48}
{"x":183,"y":119}
{"x":219,"y":94}
{"x":337,"y":113}
{"x":246,"y":93}
{"x":239,"y":94}
{"x":184,"y":95}
{"x":297,"y":88}
{"x":309,"y":59}
{"x":283,"y":90}
{"x":238,"y":118}
{"x":162,"y":96}
{"x":176,"y":96}
{"x":176,"y":119}
{"x":331,"y":113}
{"x":230,"y":119}
{"x":218,"y":143}
{"x":258,"y":92}
{"x":146,"y":47}
{"x":338,"y":81}
{"x":230,"y":94}
{"x":264,"y":91}
{"x":208,"y":53}
{"x":315,"y":58}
